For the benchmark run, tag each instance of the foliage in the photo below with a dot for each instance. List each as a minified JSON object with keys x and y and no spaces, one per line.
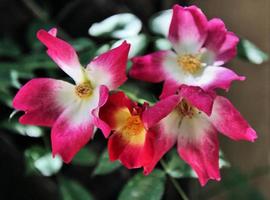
{"x":18,"y":66}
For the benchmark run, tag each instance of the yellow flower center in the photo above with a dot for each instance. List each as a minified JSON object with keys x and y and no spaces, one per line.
{"x":84,"y":90}
{"x":189,"y":63}
{"x":133,"y":126}
{"x":185,"y":109}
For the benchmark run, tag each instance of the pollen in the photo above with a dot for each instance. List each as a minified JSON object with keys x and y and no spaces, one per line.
{"x":185,"y":109}
{"x":133,"y":126}
{"x":84,"y":90}
{"x":189,"y":63}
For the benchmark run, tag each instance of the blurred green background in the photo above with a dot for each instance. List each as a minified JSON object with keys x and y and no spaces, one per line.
{"x":27,"y":170}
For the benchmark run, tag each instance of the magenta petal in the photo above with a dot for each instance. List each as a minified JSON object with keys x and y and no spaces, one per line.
{"x":216,"y":35}
{"x":170,"y":87}
{"x":70,"y":134}
{"x":161,"y":109}
{"x":53,"y":32}
{"x":198,"y":98}
{"x":188,"y":29}
{"x":62,"y":53}
{"x":199,"y":147}
{"x":149,"y":67}
{"x":228,"y":49}
{"x":103,"y":97}
{"x":229,"y":121}
{"x":109,"y":68}
{"x":161,"y":142}
{"x":217,"y":77}
{"x":39,"y":99}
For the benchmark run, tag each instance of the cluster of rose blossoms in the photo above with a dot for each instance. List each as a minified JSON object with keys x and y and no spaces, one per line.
{"x":188,"y":113}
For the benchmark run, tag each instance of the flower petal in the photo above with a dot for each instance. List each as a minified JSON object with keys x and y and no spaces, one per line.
{"x":198,"y":98}
{"x":103,"y":97}
{"x":161,"y":142}
{"x":198,"y":146}
{"x":161,"y":109}
{"x":188,"y":29}
{"x":132,"y":150}
{"x":68,"y":137}
{"x":216,"y":35}
{"x":62,"y":54}
{"x":215,"y":77}
{"x":116,"y":110}
{"x":43,"y":100}
{"x":149,"y":67}
{"x":229,"y":121}
{"x":170,"y":87}
{"x":110,"y":68}
{"x":74,"y":128}
{"x":228,"y":49}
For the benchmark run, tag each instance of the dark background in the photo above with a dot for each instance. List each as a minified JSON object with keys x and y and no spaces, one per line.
{"x":250,"y":162}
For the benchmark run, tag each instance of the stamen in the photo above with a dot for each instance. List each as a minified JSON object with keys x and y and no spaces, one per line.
{"x":185,"y":109}
{"x":133,"y":126}
{"x":84,"y":90}
{"x":189,"y":63}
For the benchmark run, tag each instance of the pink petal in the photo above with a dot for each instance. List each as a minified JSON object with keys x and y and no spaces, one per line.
{"x":229,"y":121}
{"x":105,"y":128}
{"x":40,"y":98}
{"x":161,"y":142}
{"x":188,"y":29}
{"x":228,"y":49}
{"x":215,"y":37}
{"x":149,"y":67}
{"x":110,"y":68}
{"x":72,"y":130}
{"x":216,"y":77}
{"x":161,"y":109}
{"x":198,"y":146}
{"x":170,"y":87}
{"x":53,"y":32}
{"x":62,"y":54}
{"x":198,"y":98}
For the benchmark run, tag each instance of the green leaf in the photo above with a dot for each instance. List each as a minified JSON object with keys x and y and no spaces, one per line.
{"x":138,"y":44}
{"x":177,"y":168}
{"x":248,"y":51}
{"x":72,"y":190}
{"x":25,"y":130}
{"x":160,"y":22}
{"x":105,"y":166}
{"x":41,"y":160}
{"x":85,"y":157}
{"x":117,"y":26}
{"x":223,"y":163}
{"x":82,"y":44}
{"x":137,"y":93}
{"x":9,"y":48}
{"x":31,"y":33}
{"x":162,"y":44}
{"x":142,"y":187}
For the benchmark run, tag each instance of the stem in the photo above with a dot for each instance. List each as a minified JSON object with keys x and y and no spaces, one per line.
{"x":174,"y":182}
{"x":36,"y":10}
